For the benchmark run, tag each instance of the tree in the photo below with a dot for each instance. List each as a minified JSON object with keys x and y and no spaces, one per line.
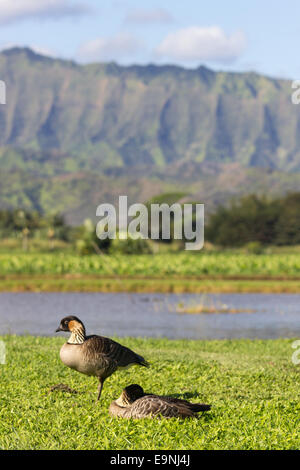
{"x":247,"y":220}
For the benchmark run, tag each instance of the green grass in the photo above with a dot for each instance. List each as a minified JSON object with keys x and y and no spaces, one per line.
{"x":253,"y":387}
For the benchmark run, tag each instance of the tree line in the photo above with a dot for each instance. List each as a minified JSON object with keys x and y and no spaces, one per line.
{"x":250,"y":219}
{"x":256,"y":219}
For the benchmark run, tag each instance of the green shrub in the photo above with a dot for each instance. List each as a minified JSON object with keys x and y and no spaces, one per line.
{"x":254,"y":248}
{"x":130,"y":246}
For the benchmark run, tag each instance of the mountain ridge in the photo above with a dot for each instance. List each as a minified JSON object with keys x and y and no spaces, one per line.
{"x":166,"y":124}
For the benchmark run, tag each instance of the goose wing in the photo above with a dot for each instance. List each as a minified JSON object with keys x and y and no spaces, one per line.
{"x":113,"y":352}
{"x":153,"y":405}
{"x":195,"y":407}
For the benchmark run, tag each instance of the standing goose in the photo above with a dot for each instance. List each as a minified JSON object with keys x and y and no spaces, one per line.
{"x":94,"y":355}
{"x":134,"y":403}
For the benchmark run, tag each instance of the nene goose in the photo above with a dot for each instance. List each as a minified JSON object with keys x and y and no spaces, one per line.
{"x":134,"y":403}
{"x":94,"y":355}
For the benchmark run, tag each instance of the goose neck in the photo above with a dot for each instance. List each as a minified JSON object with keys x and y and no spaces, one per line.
{"x":77,"y":336}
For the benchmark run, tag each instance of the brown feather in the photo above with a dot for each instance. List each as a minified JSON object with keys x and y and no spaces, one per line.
{"x":94,"y":355}
{"x":150,"y":405}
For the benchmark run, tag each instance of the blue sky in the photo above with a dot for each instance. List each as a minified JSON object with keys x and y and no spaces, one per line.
{"x":224,"y":35}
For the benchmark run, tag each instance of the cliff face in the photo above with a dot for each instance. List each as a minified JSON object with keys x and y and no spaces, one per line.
{"x":114,"y":116}
{"x":149,"y":121}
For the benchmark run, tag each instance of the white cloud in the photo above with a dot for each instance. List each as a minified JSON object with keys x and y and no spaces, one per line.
{"x":149,"y":16}
{"x":201,"y":44}
{"x":121,"y":46}
{"x":44,"y":51}
{"x":12,"y":11}
{"x":8,"y":45}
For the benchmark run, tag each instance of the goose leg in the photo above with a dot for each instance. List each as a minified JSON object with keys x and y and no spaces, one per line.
{"x":100,"y":386}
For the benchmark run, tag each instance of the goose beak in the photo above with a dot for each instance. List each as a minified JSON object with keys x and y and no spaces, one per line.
{"x":58,"y":329}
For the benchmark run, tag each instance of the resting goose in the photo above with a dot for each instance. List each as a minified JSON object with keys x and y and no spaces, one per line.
{"x":94,"y":355}
{"x":135,"y":403}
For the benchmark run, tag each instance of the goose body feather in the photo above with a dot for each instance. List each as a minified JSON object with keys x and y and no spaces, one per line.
{"x":99,"y":356}
{"x":155,"y":405}
{"x":94,"y":355}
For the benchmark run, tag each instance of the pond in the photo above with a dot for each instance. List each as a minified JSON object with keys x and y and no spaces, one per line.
{"x":153,"y":315}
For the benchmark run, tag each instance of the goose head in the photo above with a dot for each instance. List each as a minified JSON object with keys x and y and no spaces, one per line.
{"x":130,"y":394}
{"x":73,"y":325}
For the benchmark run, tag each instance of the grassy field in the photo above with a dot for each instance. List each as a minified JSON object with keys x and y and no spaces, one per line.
{"x":168,"y":272}
{"x":253,"y":387}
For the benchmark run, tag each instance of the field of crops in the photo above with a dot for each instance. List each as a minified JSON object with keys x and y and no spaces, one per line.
{"x":182,"y":264}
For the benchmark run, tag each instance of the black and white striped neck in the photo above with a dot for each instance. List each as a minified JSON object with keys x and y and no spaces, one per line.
{"x":77,"y":336}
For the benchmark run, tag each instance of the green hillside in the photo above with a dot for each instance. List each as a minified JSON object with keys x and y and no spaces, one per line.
{"x":72,"y":136}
